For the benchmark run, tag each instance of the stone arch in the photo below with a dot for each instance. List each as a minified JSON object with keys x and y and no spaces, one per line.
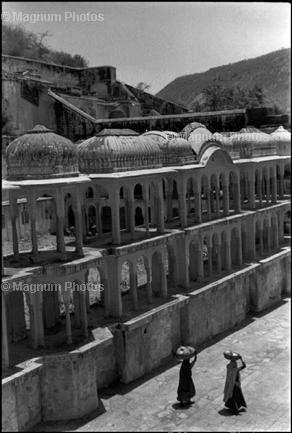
{"x":89,"y":192}
{"x":138,"y":192}
{"x":106,"y":219}
{"x":139,"y":217}
{"x":122,"y":192}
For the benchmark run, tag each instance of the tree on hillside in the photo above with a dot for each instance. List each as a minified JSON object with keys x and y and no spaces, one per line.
{"x":143,"y":86}
{"x":218,"y":97}
{"x":16,"y":41}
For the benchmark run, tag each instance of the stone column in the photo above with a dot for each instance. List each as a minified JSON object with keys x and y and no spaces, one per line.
{"x":225,"y":198}
{"x":239,"y":244}
{"x":182,"y":202}
{"x":84,"y":318}
{"x":60,"y":215}
{"x":169,"y":199}
{"x":237,"y":199}
{"x":182,"y":262}
{"x":115,"y":206}
{"x":36,"y":319}
{"x":198,"y":203}
{"x":148,"y":285}
{"x":251,"y":190}
{"x":5,"y":350}
{"x":133,"y":285}
{"x":131,"y":210}
{"x":219,"y":258}
{"x":66,"y":297}
{"x":261,"y":241}
{"x":160,"y":208}
{"x":146,"y":201}
{"x":260,"y":187}
{"x":163,"y":278}
{"x":268,"y":188}
{"x":13,"y":214}
{"x":208,"y":196}
{"x":274,"y":186}
{"x":200,"y":263}
{"x":210,"y":264}
{"x":32,"y":215}
{"x":76,"y":206}
{"x":269,"y":233}
{"x":228,"y":252}
{"x":281,"y":183}
{"x":276,"y":236}
{"x":217,"y":199}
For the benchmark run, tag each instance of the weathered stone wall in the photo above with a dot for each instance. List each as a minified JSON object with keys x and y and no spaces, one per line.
{"x":21,"y":399}
{"x":70,"y":381}
{"x":147,"y":341}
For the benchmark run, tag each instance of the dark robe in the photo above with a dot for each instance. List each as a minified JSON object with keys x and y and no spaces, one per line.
{"x":186,"y":388}
{"x":233,"y":396}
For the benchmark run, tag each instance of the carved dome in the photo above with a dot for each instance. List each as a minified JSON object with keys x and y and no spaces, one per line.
{"x":41,"y":154}
{"x":189,"y":128}
{"x":112,"y":153}
{"x":177,"y":151}
{"x":157,"y":136}
{"x":282,"y":139}
{"x":253,"y":144}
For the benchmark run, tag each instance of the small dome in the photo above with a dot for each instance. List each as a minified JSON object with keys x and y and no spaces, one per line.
{"x":281,"y":135}
{"x":177,"y":151}
{"x":189,"y":128}
{"x":198,"y":138}
{"x":158,"y":136}
{"x":171,"y":134}
{"x":112,"y":153}
{"x":253,"y":144}
{"x":41,"y":154}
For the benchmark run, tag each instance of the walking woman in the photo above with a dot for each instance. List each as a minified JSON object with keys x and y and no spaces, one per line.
{"x":233,"y":397}
{"x":186,"y":388}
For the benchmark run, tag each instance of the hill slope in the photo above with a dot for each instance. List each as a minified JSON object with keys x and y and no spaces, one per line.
{"x":270,"y":71}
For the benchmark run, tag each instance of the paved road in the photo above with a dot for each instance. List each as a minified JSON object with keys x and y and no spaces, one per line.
{"x":150,"y":405}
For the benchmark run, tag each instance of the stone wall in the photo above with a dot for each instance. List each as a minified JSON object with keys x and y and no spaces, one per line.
{"x":21,"y":399}
{"x":71,"y":381}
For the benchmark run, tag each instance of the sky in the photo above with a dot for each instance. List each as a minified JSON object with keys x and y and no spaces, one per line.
{"x":156,"y":42}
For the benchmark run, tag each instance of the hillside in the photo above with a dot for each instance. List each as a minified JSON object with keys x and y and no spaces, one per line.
{"x":270,"y":71}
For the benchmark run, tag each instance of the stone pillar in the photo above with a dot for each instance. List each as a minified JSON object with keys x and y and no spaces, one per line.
{"x":219,"y":258}
{"x":269,"y":233}
{"x":237,"y":198}
{"x":113,"y":297}
{"x":146,"y":201}
{"x":66,"y":297}
{"x":76,"y":206}
{"x":198,"y":201}
{"x":274,"y":186}
{"x":36,"y":319}
{"x":281,"y":183}
{"x":182,"y":202}
{"x":13,"y":214}
{"x":98,"y":219}
{"x":228,"y":252}
{"x":251,"y":190}
{"x":276,"y":236}
{"x":5,"y":350}
{"x":32,"y":216}
{"x":208,"y":196}
{"x":225,"y":199}
{"x":131,"y":210}
{"x":261,"y":241}
{"x":268,"y":192}
{"x":210,"y":264}
{"x":60,"y":215}
{"x":182,"y":260}
{"x":84,"y":318}
{"x":163,"y":279}
{"x":148,"y":285}
{"x":115,"y":206}
{"x":200,"y":263}
{"x":260,"y":187}
{"x":133,"y":285}
{"x":239,"y":243}
{"x":160,"y":208}
{"x":217,"y":199}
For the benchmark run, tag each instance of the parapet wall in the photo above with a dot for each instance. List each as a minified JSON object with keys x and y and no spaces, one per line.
{"x":66,"y":386}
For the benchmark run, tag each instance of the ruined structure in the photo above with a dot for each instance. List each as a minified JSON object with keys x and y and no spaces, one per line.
{"x":181,"y":235}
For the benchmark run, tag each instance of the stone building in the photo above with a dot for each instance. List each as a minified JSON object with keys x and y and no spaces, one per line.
{"x":173,"y":230}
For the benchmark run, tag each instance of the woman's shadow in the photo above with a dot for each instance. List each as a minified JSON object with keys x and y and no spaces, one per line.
{"x":228,"y":412}
{"x":180,"y":406}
